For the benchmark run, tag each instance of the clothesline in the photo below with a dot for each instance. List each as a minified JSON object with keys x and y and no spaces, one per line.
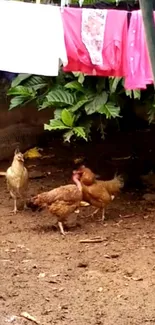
{"x":94,"y":42}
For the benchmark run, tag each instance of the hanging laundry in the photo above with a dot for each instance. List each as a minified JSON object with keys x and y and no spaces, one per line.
{"x":33,"y":40}
{"x":92,"y":30}
{"x":139,"y":73}
{"x":103,"y":4}
{"x":114,"y":43}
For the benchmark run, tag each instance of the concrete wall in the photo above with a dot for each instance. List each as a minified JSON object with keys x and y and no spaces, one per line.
{"x":21,"y":127}
{"x":27,"y":114}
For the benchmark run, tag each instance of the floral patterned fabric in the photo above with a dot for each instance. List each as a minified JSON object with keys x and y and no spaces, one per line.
{"x":92,"y":33}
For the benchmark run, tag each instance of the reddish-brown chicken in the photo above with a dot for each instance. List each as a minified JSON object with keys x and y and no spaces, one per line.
{"x":98,"y":193}
{"x":61,"y":201}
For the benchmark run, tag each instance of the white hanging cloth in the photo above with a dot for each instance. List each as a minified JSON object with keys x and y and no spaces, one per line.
{"x":92,"y":33}
{"x":31,"y":38}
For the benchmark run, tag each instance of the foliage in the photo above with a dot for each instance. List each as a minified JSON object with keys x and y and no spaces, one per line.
{"x":77,"y":101}
{"x":74,"y":97}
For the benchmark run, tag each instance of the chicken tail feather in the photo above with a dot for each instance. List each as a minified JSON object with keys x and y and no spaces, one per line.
{"x":115,"y":185}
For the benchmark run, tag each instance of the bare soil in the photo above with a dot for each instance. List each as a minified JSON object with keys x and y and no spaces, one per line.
{"x":63,"y":281}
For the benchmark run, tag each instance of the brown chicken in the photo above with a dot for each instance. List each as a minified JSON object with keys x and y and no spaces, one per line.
{"x":98,"y":193}
{"x":17,"y":179}
{"x":61,"y":201}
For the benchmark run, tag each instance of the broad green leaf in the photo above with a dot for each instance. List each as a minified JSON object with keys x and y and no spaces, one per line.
{"x":113,"y":82}
{"x":16,"y":101}
{"x":81,"y":78}
{"x":67,"y":117}
{"x":39,"y":86}
{"x":44,"y":105}
{"x":75,"y":85}
{"x":151,"y":114}
{"x":80,"y":132}
{"x":76,"y":74}
{"x":22,"y":91}
{"x":55,"y":125}
{"x":78,"y":105}
{"x":77,"y":116}
{"x":57,"y":113}
{"x":96,"y":103}
{"x":59,"y":96}
{"x":136,"y":94}
{"x":67,"y":136}
{"x":128,"y":93}
{"x":36,"y":82}
{"x":109,"y":110}
{"x":21,"y":77}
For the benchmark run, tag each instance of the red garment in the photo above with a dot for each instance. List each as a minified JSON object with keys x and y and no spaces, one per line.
{"x":114,"y":47}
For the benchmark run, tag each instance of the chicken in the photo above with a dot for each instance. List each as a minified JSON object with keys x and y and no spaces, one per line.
{"x":61,"y":201}
{"x":97,"y":192}
{"x":17,"y":179}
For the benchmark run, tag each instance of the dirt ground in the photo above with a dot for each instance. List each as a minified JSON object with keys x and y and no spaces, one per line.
{"x":63,"y":281}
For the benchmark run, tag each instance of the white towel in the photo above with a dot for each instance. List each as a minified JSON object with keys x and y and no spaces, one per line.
{"x":31,"y":38}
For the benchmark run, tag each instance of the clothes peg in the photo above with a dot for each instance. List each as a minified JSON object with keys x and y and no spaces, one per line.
{"x":81,"y":3}
{"x":64,"y":3}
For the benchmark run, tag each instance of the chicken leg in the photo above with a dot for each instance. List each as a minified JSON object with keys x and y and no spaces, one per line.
{"x":15,"y":203}
{"x":61,"y":228}
{"x":103,"y":214}
{"x":93,"y":213}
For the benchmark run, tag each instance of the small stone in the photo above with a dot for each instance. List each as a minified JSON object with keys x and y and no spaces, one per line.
{"x":82,"y":264}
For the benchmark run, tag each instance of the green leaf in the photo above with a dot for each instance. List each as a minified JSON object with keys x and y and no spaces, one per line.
{"x":75,"y":85}
{"x":109,"y":110}
{"x":67,"y":136}
{"x":128,"y":93}
{"x":136,"y":94}
{"x":96,"y":103}
{"x":44,"y":105}
{"x":59,"y":96}
{"x":67,"y":117}
{"x":80,"y":132}
{"x":78,"y":105}
{"x":16,"y":101}
{"x":81,"y":78}
{"x":57,"y":113}
{"x":113,"y":82}
{"x":21,"y":77}
{"x":76,"y":74}
{"x":55,"y":125}
{"x":36,"y":82}
{"x":151,"y":114}
{"x":22,"y":91}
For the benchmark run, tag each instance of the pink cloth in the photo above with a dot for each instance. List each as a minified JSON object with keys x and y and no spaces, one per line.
{"x":139,"y":72}
{"x":114,"y":45}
